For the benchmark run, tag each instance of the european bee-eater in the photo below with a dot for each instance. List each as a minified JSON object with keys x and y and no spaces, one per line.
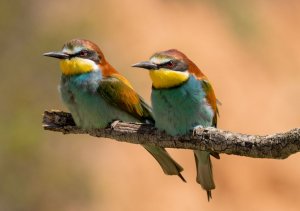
{"x":96,"y":94}
{"x":183,"y":99}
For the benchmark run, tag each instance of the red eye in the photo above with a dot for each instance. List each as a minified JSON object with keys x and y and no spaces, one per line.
{"x":170,"y":64}
{"x":83,"y":53}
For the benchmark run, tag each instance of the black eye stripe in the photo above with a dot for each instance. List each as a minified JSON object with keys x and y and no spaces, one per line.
{"x":168,"y":64}
{"x":86,"y":54}
{"x":82,"y":54}
{"x":175,"y":65}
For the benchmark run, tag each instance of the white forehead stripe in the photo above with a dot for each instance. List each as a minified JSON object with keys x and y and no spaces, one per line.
{"x":76,"y":49}
{"x":157,"y":60}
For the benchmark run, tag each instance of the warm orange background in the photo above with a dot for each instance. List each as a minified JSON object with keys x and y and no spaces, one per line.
{"x":250,"y":50}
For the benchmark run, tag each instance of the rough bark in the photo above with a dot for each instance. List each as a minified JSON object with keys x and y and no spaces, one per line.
{"x":276,"y":146}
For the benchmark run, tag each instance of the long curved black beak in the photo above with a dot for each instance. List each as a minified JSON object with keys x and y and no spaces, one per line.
{"x":58,"y":55}
{"x":146,"y":65}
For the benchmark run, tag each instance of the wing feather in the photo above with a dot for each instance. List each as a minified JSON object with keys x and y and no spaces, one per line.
{"x":117,"y":91}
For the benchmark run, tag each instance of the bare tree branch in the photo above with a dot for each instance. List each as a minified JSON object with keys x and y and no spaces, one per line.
{"x":276,"y":146}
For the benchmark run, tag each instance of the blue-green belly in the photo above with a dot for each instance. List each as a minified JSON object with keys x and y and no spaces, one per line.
{"x":178,"y":110}
{"x":88,"y":108}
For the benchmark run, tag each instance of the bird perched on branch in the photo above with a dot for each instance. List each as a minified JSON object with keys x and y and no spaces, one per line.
{"x":96,"y":94}
{"x":183,"y":99}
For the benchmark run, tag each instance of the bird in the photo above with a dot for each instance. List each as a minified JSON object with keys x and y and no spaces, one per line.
{"x":183,"y":100}
{"x":96,"y":94}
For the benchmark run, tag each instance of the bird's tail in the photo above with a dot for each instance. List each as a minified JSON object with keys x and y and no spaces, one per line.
{"x":169,"y":166}
{"x":204,"y":171}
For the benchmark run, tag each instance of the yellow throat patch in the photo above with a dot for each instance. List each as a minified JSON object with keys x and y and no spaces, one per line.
{"x":77,"y":66}
{"x":165,"y":78}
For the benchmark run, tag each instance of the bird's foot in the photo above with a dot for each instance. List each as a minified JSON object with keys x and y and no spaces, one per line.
{"x":197,"y":128}
{"x":114,"y":124}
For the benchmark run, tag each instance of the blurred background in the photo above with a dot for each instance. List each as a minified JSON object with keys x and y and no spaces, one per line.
{"x":250,"y":50}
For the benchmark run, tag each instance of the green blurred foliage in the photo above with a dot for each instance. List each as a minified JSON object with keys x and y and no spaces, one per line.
{"x":33,"y":175}
{"x":238,"y":44}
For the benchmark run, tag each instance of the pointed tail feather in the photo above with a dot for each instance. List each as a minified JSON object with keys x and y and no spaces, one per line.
{"x":169,"y":166}
{"x":204,"y":171}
